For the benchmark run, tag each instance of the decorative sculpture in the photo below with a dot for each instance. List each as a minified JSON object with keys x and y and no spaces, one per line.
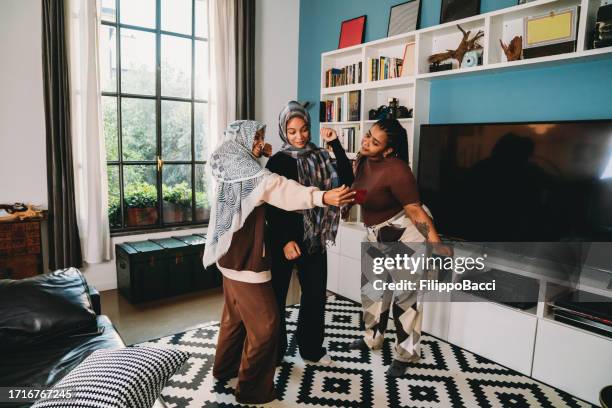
{"x":513,"y":50}
{"x":467,"y":44}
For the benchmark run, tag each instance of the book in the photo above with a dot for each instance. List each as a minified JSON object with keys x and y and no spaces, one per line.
{"x":350,"y":74}
{"x":341,"y":108}
{"x":408,"y":66}
{"x":354,"y":105}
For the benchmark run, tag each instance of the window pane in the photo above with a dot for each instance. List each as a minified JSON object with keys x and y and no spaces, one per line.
{"x":201,"y":70}
{"x":176,"y":130}
{"x":177,"y":193}
{"x":200,"y":122}
{"x":138,"y":12}
{"x":114,"y":206}
{"x":201,"y":20}
{"x":108,"y":58}
{"x":109,"y":116}
{"x":176,"y":16}
{"x":138,"y":129}
{"x":175,"y":66}
{"x":137,"y":62}
{"x":140,"y":195}
{"x":202,"y":202}
{"x":108,"y":10}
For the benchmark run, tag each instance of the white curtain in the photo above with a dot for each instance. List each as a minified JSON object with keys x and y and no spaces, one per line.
{"x":89,"y":156}
{"x":222,"y":94}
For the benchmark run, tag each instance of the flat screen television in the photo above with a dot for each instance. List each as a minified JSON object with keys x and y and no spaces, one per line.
{"x":518,"y":182}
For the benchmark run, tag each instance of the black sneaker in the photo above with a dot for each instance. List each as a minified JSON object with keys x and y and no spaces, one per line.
{"x":397,"y":368}
{"x":359,"y":344}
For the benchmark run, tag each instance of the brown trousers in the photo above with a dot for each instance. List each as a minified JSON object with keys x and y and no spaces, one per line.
{"x":248,"y":340}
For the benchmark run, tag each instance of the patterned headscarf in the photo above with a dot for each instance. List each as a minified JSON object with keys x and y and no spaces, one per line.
{"x":314,"y":169}
{"x":237,"y":173}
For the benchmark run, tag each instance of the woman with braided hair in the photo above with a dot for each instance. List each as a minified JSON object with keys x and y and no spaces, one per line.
{"x":392,"y":211}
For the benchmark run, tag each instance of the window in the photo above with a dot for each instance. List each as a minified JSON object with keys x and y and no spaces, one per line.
{"x":154,"y":82}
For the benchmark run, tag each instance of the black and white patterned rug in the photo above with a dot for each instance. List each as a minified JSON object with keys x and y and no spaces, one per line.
{"x":446,"y":375}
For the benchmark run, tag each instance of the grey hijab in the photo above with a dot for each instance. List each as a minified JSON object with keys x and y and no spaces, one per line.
{"x":314,"y":169}
{"x":237,"y":174}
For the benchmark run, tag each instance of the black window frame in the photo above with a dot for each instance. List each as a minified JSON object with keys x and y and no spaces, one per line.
{"x":118,"y":95}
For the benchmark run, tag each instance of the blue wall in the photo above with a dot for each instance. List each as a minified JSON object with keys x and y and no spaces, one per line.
{"x":573,"y":91}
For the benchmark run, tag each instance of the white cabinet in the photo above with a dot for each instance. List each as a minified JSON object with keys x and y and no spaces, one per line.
{"x":344,"y":262}
{"x":349,"y":284}
{"x":494,"y":331}
{"x":333,"y":261}
{"x":351,"y":237}
{"x":436,"y":318}
{"x":573,"y":360}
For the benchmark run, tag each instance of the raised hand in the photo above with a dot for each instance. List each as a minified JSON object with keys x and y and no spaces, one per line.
{"x":328,"y":134}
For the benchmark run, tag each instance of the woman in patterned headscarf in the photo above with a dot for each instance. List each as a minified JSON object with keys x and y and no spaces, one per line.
{"x":248,"y":336}
{"x":300,"y":238}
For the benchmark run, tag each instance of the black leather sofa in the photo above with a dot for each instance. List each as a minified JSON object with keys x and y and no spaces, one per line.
{"x":48,"y":325}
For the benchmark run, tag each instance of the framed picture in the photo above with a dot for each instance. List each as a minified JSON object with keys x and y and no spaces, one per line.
{"x":404,"y":17}
{"x":352,"y":32}
{"x":550,"y":28}
{"x":457,"y":9}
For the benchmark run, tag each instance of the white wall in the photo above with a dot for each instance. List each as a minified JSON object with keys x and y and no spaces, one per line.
{"x":22,"y":129}
{"x":22,"y":119}
{"x":276,"y":61}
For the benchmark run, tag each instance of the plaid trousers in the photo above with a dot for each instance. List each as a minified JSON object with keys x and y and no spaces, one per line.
{"x":406,"y":305}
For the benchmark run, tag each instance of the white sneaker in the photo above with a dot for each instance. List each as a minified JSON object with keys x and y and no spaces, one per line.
{"x":325,"y":360}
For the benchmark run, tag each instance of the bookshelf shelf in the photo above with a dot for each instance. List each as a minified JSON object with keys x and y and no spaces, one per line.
{"x":385,"y":83}
{"x":334,"y":90}
{"x":400,"y":120}
{"x":349,"y":123}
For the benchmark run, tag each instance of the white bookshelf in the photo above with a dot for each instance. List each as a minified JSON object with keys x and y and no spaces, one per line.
{"x":413,"y":91}
{"x":530,"y":341}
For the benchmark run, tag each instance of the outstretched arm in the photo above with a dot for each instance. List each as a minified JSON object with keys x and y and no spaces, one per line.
{"x":291,"y":195}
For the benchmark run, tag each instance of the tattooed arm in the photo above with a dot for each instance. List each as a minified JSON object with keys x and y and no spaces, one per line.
{"x":422,"y":222}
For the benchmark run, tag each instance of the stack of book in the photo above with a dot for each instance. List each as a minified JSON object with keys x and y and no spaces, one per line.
{"x":384,"y":68}
{"x":351,"y":74}
{"x":387,"y":67}
{"x":342,"y":108}
{"x":602,"y":36}
{"x":347,"y":137}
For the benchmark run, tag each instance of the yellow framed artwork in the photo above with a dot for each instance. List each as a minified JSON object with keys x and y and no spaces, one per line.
{"x":551,"y":28}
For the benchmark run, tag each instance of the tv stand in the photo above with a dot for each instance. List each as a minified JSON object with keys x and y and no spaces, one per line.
{"x":529,"y":341}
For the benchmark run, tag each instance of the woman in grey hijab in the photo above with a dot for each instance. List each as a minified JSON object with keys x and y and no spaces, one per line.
{"x":300,"y":238}
{"x":248,"y":335}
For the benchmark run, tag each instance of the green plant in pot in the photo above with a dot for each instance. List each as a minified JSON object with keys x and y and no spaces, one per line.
{"x":141,"y":204}
{"x":114,"y":213}
{"x":177,"y":202}
{"x":202,"y":206}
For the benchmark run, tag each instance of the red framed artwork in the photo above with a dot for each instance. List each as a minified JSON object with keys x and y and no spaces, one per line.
{"x":352,"y":32}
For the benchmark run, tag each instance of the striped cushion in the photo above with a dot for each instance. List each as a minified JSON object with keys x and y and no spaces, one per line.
{"x":131,"y":377}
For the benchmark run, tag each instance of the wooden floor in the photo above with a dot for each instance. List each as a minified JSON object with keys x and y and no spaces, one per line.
{"x":151,"y":320}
